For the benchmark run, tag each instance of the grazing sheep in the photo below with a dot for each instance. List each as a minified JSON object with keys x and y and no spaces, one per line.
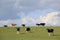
{"x":18,"y":29}
{"x":50,"y":31}
{"x":23,"y":25}
{"x":5,"y":26}
{"x":27,"y":29}
{"x":41,"y":24}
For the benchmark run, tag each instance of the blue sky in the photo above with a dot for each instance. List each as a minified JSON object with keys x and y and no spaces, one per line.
{"x":30,"y":12}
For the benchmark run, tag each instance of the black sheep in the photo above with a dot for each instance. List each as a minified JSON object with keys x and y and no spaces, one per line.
{"x":5,"y":26}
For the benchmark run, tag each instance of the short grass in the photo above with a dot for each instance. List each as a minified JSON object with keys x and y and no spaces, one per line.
{"x":37,"y":33}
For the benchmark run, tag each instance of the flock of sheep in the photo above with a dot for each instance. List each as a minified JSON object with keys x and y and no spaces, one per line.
{"x":50,"y":30}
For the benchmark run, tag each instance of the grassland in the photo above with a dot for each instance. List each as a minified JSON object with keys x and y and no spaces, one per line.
{"x":37,"y":33}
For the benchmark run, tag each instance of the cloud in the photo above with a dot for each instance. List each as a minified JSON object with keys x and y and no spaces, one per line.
{"x":28,"y":21}
{"x":4,"y":22}
{"x":10,"y":21}
{"x":6,"y":10}
{"x":51,"y":18}
{"x":30,"y":5}
{"x":10,"y":8}
{"x":24,"y":20}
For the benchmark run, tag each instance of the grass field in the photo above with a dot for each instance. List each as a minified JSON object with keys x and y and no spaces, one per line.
{"x":37,"y":33}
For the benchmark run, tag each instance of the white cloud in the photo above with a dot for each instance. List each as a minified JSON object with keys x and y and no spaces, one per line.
{"x":4,"y":22}
{"x":24,"y":20}
{"x":10,"y":8}
{"x":28,"y":20}
{"x":51,"y":18}
{"x":30,"y":5}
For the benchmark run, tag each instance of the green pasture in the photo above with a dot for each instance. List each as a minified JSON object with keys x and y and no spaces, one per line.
{"x":37,"y":33}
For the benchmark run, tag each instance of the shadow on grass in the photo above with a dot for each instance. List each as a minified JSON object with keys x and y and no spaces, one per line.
{"x":56,"y":35}
{"x":26,"y":32}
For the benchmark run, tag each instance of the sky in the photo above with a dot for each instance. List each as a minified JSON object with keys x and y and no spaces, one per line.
{"x":30,"y":12}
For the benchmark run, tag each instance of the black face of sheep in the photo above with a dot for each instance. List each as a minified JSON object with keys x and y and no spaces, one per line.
{"x":23,"y":25}
{"x":27,"y":29}
{"x":5,"y":26}
{"x":18,"y":29}
{"x":50,"y":30}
